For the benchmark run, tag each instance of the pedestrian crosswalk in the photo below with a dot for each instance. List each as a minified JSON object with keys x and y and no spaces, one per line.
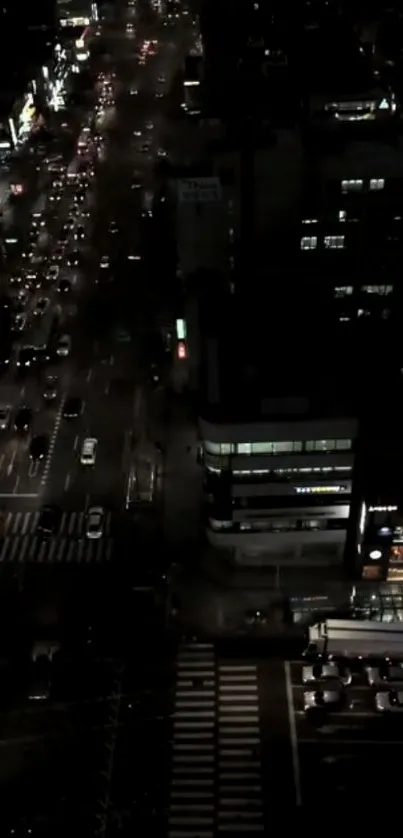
{"x":55,"y":550}
{"x":72,"y":524}
{"x":215,"y":778}
{"x":19,"y":541}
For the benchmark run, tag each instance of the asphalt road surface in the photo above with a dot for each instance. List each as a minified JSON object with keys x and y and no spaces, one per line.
{"x":61,"y":750}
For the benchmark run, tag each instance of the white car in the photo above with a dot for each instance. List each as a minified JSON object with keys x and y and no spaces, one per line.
{"x":89,"y":451}
{"x":323,"y":699}
{"x":5,"y":412}
{"x":63,"y":346}
{"x":53,"y":273}
{"x":389,"y":702}
{"x":95,"y":522}
{"x":330,"y":671}
{"x":104,"y":263}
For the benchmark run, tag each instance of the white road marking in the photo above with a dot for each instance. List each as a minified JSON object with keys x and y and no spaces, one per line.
{"x":75,"y":444}
{"x":46,"y":468}
{"x":293,"y":735}
{"x":17,"y":483}
{"x":23,"y":495}
{"x":67,"y":483}
{"x":89,"y":375}
{"x":107,"y":385}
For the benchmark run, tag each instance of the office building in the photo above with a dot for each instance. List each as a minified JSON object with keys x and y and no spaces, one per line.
{"x":279,"y":429}
{"x":294,"y":345}
{"x":76,"y":13}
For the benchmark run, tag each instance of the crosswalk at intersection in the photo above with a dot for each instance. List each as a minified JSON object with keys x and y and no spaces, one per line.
{"x":215,"y":778}
{"x":21,"y":543}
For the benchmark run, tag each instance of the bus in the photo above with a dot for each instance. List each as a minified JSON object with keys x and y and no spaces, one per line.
{"x":39,"y":336}
{"x":141,"y":484}
{"x":37,"y":213}
{"x":72,"y":170}
{"x":82,"y":145}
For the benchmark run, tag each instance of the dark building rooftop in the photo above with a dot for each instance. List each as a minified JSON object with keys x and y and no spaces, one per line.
{"x":282,"y":357}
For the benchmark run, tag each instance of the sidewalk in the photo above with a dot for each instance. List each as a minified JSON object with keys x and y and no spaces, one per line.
{"x":183,"y":478}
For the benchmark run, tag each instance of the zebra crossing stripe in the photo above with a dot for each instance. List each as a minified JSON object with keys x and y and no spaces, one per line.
{"x":55,"y":551}
{"x":72,"y":524}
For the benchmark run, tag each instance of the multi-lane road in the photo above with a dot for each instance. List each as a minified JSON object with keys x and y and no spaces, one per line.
{"x":107,"y":312}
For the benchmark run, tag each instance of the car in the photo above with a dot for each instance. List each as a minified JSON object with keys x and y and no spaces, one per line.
{"x":38,"y":447}
{"x":50,"y":388}
{"x":64,"y":236}
{"x":5,"y":413}
{"x":23,"y":419}
{"x":41,"y":306}
{"x":58,"y":252}
{"x":323,"y":699}
{"x":63,"y":348}
{"x":64,"y":286}
{"x":44,"y":649}
{"x":145,"y":148}
{"x":20,"y":321}
{"x":70,"y":223}
{"x":385,"y":673}
{"x":49,"y":520}
{"x":95,"y":522}
{"x":72,"y":407}
{"x":79,"y":233}
{"x":113,"y":228}
{"x":16,"y":279}
{"x":31,"y":278}
{"x":104,"y":263}
{"x":19,"y":297}
{"x":25,"y":357}
{"x":89,"y":451}
{"x":329,"y":671}
{"x":53,"y":273}
{"x":73,"y":259}
{"x":389,"y":702}
{"x":41,"y":679}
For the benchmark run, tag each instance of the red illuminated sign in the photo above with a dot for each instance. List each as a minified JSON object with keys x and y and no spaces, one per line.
{"x":182,"y":351}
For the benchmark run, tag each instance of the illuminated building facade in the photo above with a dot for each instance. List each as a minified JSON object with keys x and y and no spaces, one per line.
{"x":279,"y":429}
{"x":76,"y":13}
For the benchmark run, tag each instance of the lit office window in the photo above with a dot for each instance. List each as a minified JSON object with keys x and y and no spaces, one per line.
{"x":381,"y":290}
{"x":328,"y":445}
{"x":343,"y":291}
{"x":309,"y":242}
{"x":351,"y":185}
{"x":334,"y":242}
{"x":218,"y":448}
{"x":376,"y":183}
